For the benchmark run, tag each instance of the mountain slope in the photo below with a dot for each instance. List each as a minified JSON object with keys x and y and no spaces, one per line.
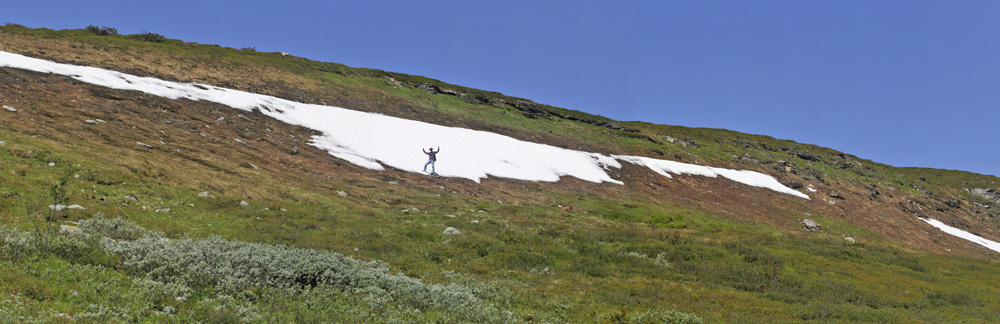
{"x":570,"y":250}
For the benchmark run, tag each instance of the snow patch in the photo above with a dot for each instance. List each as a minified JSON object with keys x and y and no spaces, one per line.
{"x":989,"y":244}
{"x":375,"y":141}
{"x":750,"y":178}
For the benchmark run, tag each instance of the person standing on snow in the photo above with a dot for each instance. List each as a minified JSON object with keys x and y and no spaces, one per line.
{"x":432,"y":156}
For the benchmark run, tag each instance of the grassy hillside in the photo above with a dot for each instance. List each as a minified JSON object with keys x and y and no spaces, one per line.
{"x":322,"y":240}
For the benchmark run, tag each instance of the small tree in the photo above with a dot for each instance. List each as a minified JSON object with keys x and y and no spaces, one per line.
{"x":44,"y":229}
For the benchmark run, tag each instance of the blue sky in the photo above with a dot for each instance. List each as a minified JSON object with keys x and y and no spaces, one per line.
{"x":907,"y":83}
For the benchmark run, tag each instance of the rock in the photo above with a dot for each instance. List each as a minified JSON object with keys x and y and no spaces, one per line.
{"x":206,"y":194}
{"x":849,"y":239}
{"x":951,"y":203}
{"x":342,"y":194}
{"x":57,"y":207}
{"x":791,"y":183}
{"x":807,"y":156}
{"x":144,"y":145}
{"x":240,"y":141}
{"x":9,"y":108}
{"x":70,"y":229}
{"x":131,"y":197}
{"x":685,"y":142}
{"x":429,"y":88}
{"x":452,"y":231}
{"x":835,"y":194}
{"x":3,"y":143}
{"x":165,"y":210}
{"x":244,"y":203}
{"x":74,"y":206}
{"x":90,"y":121}
{"x":221,"y":119}
{"x":100,"y":120}
{"x":810,"y":225}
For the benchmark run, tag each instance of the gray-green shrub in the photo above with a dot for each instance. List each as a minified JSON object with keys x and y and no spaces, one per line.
{"x":116,"y":228}
{"x":231,"y":267}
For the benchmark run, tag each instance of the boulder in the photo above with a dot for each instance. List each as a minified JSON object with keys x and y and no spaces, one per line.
{"x":811,"y":225}
{"x":849,"y":239}
{"x":452,"y":231}
{"x":132,"y":197}
{"x":244,"y":203}
{"x":9,"y":108}
{"x":807,"y":156}
{"x":70,"y":229}
{"x":59,"y":207}
{"x":144,"y":145}
{"x":206,"y":194}
{"x":165,"y":210}
{"x":429,"y":88}
{"x":792,"y":183}
{"x":342,"y":194}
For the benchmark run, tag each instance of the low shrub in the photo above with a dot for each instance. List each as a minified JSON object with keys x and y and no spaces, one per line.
{"x":231,"y":267}
{"x":665,"y":316}
{"x":655,"y":316}
{"x":150,"y":37}
{"x":103,"y":31}
{"x":115,"y":228}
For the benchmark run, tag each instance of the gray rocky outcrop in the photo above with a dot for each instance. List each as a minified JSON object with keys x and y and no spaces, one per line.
{"x":452,"y":231}
{"x":810,"y":225}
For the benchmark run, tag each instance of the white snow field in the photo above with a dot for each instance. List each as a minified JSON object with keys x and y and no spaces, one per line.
{"x":751,"y":178}
{"x":374,"y":140}
{"x":989,"y":244}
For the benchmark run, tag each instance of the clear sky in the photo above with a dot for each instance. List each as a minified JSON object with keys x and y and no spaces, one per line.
{"x":907,"y":83}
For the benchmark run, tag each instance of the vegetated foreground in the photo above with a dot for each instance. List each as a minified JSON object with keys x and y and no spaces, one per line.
{"x":654,"y":250}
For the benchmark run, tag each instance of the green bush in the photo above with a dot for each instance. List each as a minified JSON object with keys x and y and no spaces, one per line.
{"x":102,"y":31}
{"x":231,"y":267}
{"x":16,"y":244}
{"x":115,"y":228}
{"x":150,"y":37}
